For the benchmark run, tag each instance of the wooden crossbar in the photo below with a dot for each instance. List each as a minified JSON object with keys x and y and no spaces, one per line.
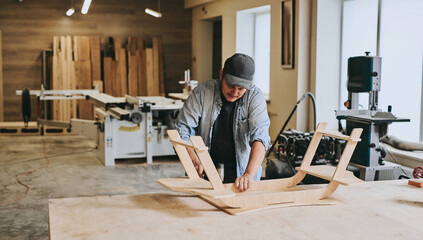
{"x":188,"y":144}
{"x":339,"y":136}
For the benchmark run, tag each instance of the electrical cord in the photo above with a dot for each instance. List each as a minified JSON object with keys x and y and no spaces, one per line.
{"x":307,"y":94}
{"x":392,"y":156}
{"x":18,"y":178}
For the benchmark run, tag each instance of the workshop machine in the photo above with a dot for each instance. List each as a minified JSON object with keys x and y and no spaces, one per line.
{"x":134,"y":127}
{"x":126,"y":128}
{"x":364,"y":75}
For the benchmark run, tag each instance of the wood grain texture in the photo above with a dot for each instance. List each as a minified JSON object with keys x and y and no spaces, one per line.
{"x":158,"y":65}
{"x":83,"y":73}
{"x":373,"y":210}
{"x":150,"y":86}
{"x":142,"y":70}
{"x":95,"y":57}
{"x":123,"y":72}
{"x":132,"y":75}
{"x":1,"y":81}
{"x":107,"y":72}
{"x":29,"y":27}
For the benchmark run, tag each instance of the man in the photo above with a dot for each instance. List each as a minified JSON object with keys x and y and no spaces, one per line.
{"x":230,"y":114}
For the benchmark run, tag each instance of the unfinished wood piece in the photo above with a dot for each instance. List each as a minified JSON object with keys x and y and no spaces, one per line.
{"x":108,"y":78}
{"x":95,"y":58}
{"x":98,"y":85}
{"x":142,"y":68}
{"x":158,"y":65}
{"x":56,"y":77}
{"x":392,"y":208}
{"x":152,"y":90}
{"x":132,"y":75}
{"x":239,"y":211}
{"x":131,"y":47}
{"x":416,"y":182}
{"x":1,"y":81}
{"x":183,"y":155}
{"x":268,"y":192}
{"x":83,"y":73}
{"x":116,"y":83}
{"x":117,"y":46}
{"x":123,"y":72}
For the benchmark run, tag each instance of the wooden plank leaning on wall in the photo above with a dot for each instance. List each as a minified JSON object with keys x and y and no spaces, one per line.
{"x":83,"y":75}
{"x":142,"y":68}
{"x":131,"y":49}
{"x":1,"y":81}
{"x":158,"y":66}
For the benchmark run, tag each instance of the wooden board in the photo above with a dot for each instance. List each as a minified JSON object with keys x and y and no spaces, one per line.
{"x":116,"y":46}
{"x":373,"y":210}
{"x":98,"y":85}
{"x":108,"y":76}
{"x":116,"y":84}
{"x":142,"y":68}
{"x":152,"y":88}
{"x":416,"y":182}
{"x":83,"y":73}
{"x":123,"y":72}
{"x":1,"y":81}
{"x":84,"y":51}
{"x":57,"y":77}
{"x":95,"y":58}
{"x":158,"y":66}
{"x":132,"y":75}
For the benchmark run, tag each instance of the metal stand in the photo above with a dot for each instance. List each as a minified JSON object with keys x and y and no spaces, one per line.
{"x":389,"y":171}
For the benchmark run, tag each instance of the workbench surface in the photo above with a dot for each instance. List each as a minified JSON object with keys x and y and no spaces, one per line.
{"x":372,"y":210}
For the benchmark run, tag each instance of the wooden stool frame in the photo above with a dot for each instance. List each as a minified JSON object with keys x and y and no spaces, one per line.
{"x":265,"y":193}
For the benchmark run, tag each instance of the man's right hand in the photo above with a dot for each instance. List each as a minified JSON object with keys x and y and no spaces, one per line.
{"x":197,"y":164}
{"x":199,"y":167}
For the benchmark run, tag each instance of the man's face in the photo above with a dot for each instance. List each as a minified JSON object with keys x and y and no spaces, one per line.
{"x":232,"y":93}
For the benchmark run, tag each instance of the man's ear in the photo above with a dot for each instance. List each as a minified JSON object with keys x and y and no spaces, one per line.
{"x":221,"y":74}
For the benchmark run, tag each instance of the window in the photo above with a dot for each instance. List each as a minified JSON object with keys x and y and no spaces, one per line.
{"x":253,"y":39}
{"x":398,"y":41}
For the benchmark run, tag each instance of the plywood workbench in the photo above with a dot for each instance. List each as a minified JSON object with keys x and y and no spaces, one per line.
{"x":372,"y":210}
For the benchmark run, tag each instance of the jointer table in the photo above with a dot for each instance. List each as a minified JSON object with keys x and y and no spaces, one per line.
{"x":372,"y":210}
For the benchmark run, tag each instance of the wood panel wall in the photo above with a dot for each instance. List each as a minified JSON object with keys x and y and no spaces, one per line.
{"x":28,"y":28}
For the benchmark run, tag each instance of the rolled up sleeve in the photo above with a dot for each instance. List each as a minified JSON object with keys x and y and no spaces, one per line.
{"x":189,"y":116}
{"x":259,"y":120}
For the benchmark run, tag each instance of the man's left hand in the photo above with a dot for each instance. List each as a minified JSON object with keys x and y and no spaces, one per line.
{"x":244,"y":183}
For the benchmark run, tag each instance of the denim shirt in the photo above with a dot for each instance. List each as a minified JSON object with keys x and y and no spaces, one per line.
{"x":251,"y":120}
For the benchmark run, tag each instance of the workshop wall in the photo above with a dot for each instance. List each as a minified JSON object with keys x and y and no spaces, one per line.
{"x":286,"y":85}
{"x":28,"y":28}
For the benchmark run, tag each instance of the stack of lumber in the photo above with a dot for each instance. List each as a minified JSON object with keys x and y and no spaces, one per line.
{"x":76,"y":65}
{"x":135,"y":70}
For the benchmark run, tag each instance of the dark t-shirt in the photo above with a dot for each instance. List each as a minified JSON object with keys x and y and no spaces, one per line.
{"x":222,"y":145}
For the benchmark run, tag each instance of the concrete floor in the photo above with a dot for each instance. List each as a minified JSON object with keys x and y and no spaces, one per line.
{"x":74,"y":171}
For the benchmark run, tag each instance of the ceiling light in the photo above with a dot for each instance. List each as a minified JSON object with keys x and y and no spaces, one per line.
{"x":70,"y":12}
{"x":153,"y":13}
{"x":86,"y":6}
